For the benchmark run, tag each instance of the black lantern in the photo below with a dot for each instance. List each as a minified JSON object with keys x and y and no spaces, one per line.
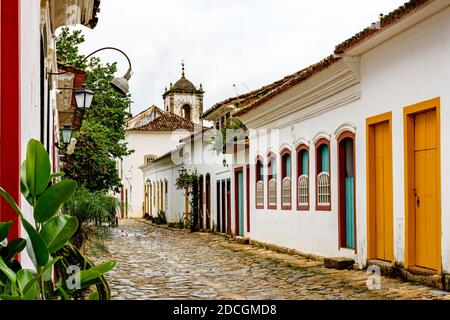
{"x":182,"y":171}
{"x":148,"y":182}
{"x":83,"y":97}
{"x":67,"y":133}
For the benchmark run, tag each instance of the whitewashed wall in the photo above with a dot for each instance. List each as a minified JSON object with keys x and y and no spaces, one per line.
{"x":410,"y":68}
{"x":144,"y":144}
{"x":407,"y":69}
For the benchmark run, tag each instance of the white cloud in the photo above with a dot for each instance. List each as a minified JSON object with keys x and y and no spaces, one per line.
{"x":249,"y":43}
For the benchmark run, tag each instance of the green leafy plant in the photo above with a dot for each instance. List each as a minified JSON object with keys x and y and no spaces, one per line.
{"x":47,"y":234}
{"x":189,"y":183}
{"x":233,"y":130}
{"x":161,"y":219}
{"x":91,"y":209}
{"x":100,"y":141}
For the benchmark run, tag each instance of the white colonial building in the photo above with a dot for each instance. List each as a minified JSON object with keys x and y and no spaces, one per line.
{"x":347,"y":157}
{"x":153,"y":133}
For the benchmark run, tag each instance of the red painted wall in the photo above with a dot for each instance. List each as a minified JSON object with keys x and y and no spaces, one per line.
{"x":10,"y":108}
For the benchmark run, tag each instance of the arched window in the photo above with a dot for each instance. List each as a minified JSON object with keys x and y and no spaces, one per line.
{"x":303,"y":178}
{"x":323,"y":179}
{"x":259,"y":177}
{"x":272,"y":178}
{"x":286,"y":182}
{"x":187,"y":114}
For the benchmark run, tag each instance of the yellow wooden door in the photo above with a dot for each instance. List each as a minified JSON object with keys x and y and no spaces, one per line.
{"x":384,"y":234}
{"x":426,"y":190}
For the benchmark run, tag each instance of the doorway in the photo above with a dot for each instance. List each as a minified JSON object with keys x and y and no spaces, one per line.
{"x":208,"y":201}
{"x":422,"y":175}
{"x":200,"y":203}
{"x":346,"y":174}
{"x":379,"y":188}
{"x":229,"y":207}
{"x":239,"y":202}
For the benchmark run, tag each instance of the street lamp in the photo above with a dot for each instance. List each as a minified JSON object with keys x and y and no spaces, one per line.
{"x":148,"y":182}
{"x":83,"y":97}
{"x":120,"y":84}
{"x":67,"y":133}
{"x":182,"y":171}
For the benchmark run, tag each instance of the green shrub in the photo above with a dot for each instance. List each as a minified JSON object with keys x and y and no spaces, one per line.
{"x":92,"y":209}
{"x":161,"y":219}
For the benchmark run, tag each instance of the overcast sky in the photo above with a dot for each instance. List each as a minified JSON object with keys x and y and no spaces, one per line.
{"x":249,"y":43}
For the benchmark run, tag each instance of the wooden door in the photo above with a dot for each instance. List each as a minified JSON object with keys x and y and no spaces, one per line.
{"x":200,"y":203}
{"x":218,"y":202}
{"x":229,"y":207}
{"x":346,"y":175}
{"x":426,"y":190}
{"x":208,"y":202}
{"x":384,"y":228}
{"x":239,"y":203}
{"x":224,"y":208}
{"x":379,"y":188}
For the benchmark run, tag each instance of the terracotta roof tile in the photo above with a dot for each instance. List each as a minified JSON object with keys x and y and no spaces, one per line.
{"x":288,"y":82}
{"x":167,"y":122}
{"x":268,"y":92}
{"x":385,"y":21}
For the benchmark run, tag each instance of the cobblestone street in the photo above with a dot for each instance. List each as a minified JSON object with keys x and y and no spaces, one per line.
{"x":158,"y":263}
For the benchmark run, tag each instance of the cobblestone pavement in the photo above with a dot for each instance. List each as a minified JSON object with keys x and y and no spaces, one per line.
{"x":158,"y":263}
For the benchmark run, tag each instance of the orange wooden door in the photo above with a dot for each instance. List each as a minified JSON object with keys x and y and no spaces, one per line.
{"x":426,"y":190}
{"x":384,"y":232}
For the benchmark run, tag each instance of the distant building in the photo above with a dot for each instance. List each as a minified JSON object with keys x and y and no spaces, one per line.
{"x":151,"y":134}
{"x":184,"y":99}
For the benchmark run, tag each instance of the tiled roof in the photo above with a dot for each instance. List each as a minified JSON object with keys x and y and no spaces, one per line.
{"x":244,"y":100}
{"x":288,"y":82}
{"x":167,"y":122}
{"x":385,"y":21}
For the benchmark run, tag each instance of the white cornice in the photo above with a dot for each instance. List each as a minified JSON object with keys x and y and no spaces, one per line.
{"x":333,"y":87}
{"x":405,"y":23}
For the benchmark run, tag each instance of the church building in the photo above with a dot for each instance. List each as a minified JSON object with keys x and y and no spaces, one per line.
{"x":151,"y":134}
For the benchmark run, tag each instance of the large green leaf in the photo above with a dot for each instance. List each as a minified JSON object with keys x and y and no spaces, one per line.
{"x":58,"y":231}
{"x":4,"y":229}
{"x":57,"y":175}
{"x":14,"y":247}
{"x":10,"y":201}
{"x":36,"y":247}
{"x":23,"y":184}
{"x":11,"y":276}
{"x":45,"y":269}
{"x":37,"y":168}
{"x":89,"y":278}
{"x":25,"y":277}
{"x":51,"y":200}
{"x":104,"y":267}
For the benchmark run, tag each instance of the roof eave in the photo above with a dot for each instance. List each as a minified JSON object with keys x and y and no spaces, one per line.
{"x":385,"y":33}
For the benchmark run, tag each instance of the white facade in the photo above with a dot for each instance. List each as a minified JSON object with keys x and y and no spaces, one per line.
{"x":143,"y":144}
{"x":201,"y":159}
{"x":404,"y":66}
{"x":38,"y":106}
